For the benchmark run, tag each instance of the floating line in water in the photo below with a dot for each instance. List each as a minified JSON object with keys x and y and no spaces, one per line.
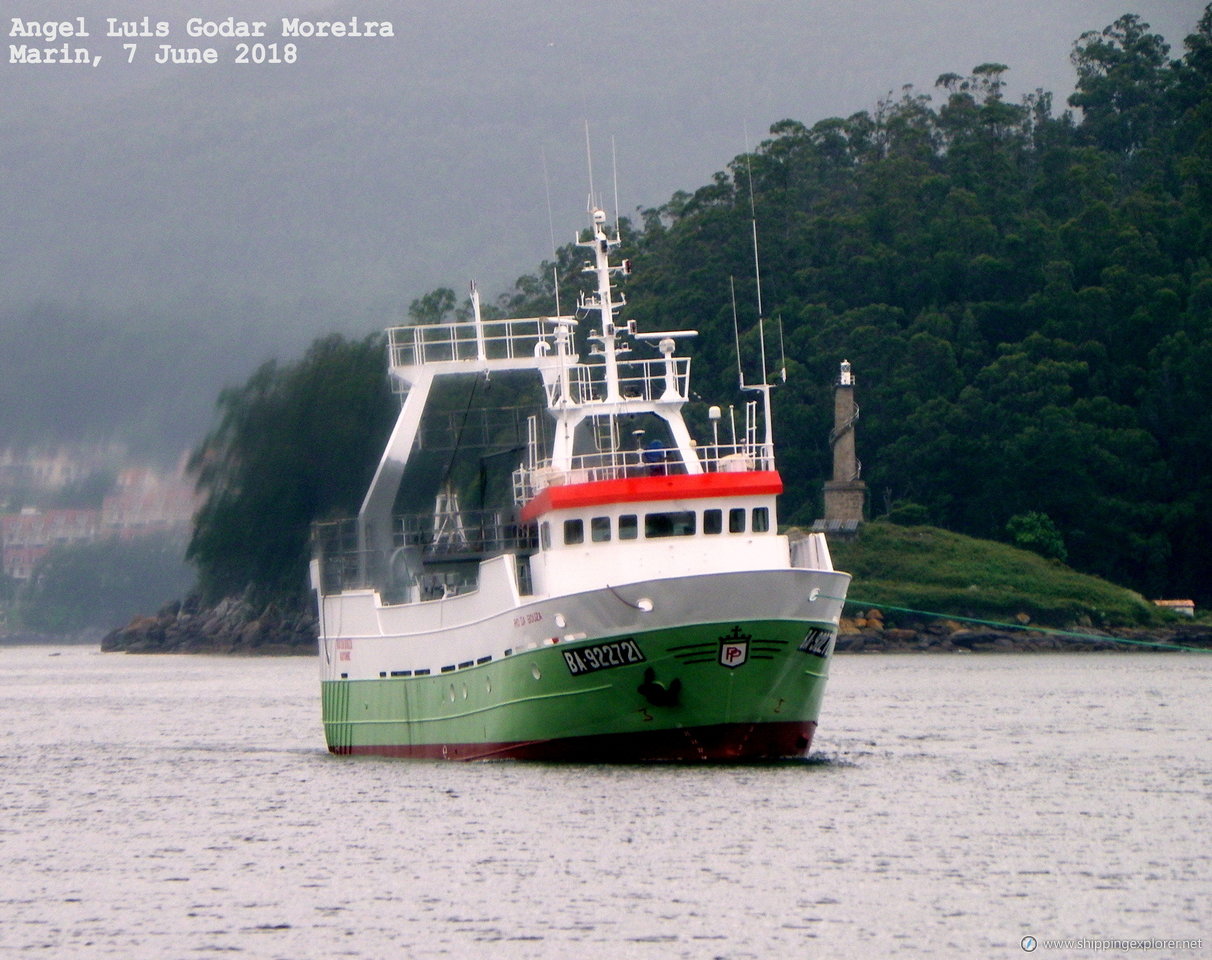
{"x":1064,"y":634}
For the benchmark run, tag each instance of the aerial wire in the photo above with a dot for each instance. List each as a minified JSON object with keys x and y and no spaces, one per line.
{"x":614,"y":169}
{"x":555,"y":254}
{"x":589,"y":161}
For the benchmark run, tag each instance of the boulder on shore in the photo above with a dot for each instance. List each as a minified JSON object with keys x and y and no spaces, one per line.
{"x":948,"y":636}
{"x":234,"y":625}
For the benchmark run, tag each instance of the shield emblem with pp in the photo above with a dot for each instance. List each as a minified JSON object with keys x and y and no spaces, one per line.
{"x":734,"y":651}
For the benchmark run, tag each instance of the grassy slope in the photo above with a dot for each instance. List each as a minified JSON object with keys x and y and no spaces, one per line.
{"x":930,"y":570}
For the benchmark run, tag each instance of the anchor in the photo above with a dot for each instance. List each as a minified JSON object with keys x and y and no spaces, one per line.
{"x":657,"y":693}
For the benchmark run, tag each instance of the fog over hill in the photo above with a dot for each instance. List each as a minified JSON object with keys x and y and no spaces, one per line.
{"x":166,"y":228}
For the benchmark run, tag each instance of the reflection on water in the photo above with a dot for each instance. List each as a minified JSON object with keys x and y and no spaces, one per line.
{"x":173,"y":806}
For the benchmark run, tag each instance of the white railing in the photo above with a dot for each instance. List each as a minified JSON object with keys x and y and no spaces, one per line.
{"x":343,"y":566}
{"x":639,"y":380}
{"x":589,"y":468}
{"x":419,"y":344}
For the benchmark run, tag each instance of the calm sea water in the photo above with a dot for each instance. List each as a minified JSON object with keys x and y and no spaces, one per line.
{"x":161,"y":807}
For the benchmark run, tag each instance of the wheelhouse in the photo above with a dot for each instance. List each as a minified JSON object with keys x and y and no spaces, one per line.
{"x":654,"y":526}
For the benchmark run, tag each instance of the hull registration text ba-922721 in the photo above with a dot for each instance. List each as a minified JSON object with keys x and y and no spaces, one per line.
{"x":602,"y":656}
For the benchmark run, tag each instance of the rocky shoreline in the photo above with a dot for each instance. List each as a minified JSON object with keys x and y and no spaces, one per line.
{"x":237,"y":626}
{"x":233,"y":626}
{"x":870,"y":634}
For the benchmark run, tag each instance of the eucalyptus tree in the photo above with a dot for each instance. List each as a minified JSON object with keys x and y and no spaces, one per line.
{"x":294,"y":444}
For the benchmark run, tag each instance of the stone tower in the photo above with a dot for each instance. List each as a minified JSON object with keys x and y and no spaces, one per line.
{"x":845,"y":494}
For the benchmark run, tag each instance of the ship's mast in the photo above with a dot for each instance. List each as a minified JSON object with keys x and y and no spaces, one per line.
{"x":603,"y":301}
{"x":617,"y":386}
{"x":763,"y":388}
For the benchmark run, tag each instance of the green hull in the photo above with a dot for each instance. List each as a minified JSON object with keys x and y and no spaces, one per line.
{"x":597,"y":699}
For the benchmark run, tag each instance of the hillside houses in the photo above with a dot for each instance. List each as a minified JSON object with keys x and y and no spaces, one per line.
{"x":141,"y":502}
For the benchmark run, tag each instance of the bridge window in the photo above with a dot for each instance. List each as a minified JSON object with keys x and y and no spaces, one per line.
{"x":628,"y":527}
{"x":736,"y":520}
{"x":679,"y":523}
{"x":713,"y":521}
{"x":761,"y":519}
{"x":545,"y":535}
{"x":574,"y":531}
{"x":599,"y":529}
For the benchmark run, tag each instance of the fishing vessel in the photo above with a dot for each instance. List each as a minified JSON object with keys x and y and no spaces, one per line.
{"x":631,"y":601}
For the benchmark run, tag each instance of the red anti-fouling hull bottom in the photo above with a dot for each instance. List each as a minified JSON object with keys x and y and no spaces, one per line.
{"x":714,"y":744}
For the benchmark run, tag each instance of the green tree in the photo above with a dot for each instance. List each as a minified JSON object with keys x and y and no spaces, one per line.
{"x":1123,"y":84}
{"x":1036,"y":531}
{"x":103,"y":584}
{"x":434,"y":307}
{"x":293,"y":445}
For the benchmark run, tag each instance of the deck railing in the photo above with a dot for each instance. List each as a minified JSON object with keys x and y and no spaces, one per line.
{"x":660,"y":461}
{"x":418,"y":344}
{"x":417,"y":540}
{"x":646,"y":380}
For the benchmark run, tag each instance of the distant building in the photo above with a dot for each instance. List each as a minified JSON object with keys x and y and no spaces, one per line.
{"x":1185,"y":608}
{"x":28,"y":536}
{"x":144,"y":502}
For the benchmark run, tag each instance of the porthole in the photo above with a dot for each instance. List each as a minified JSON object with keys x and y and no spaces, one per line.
{"x":450,"y":694}
{"x":536,"y":672}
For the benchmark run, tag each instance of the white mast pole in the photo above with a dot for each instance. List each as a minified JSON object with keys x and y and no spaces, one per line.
{"x":736,"y":334}
{"x":481,"y":352}
{"x":614,"y":169}
{"x":601,"y":248}
{"x":768,"y":443}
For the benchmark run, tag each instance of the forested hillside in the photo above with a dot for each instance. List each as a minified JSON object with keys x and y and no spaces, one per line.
{"x":1025,"y":293}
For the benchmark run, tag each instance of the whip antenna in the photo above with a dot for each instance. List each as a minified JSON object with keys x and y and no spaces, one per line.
{"x":757,"y":273}
{"x":555,"y":254}
{"x":547,"y":190}
{"x":589,"y":161}
{"x":736,"y":333}
{"x":614,"y":169}
{"x":782,"y":352}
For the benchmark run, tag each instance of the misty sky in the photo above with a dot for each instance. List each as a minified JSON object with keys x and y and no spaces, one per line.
{"x":215,"y":215}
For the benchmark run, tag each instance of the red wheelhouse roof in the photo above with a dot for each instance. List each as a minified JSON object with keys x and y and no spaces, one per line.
{"x":652,"y":489}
